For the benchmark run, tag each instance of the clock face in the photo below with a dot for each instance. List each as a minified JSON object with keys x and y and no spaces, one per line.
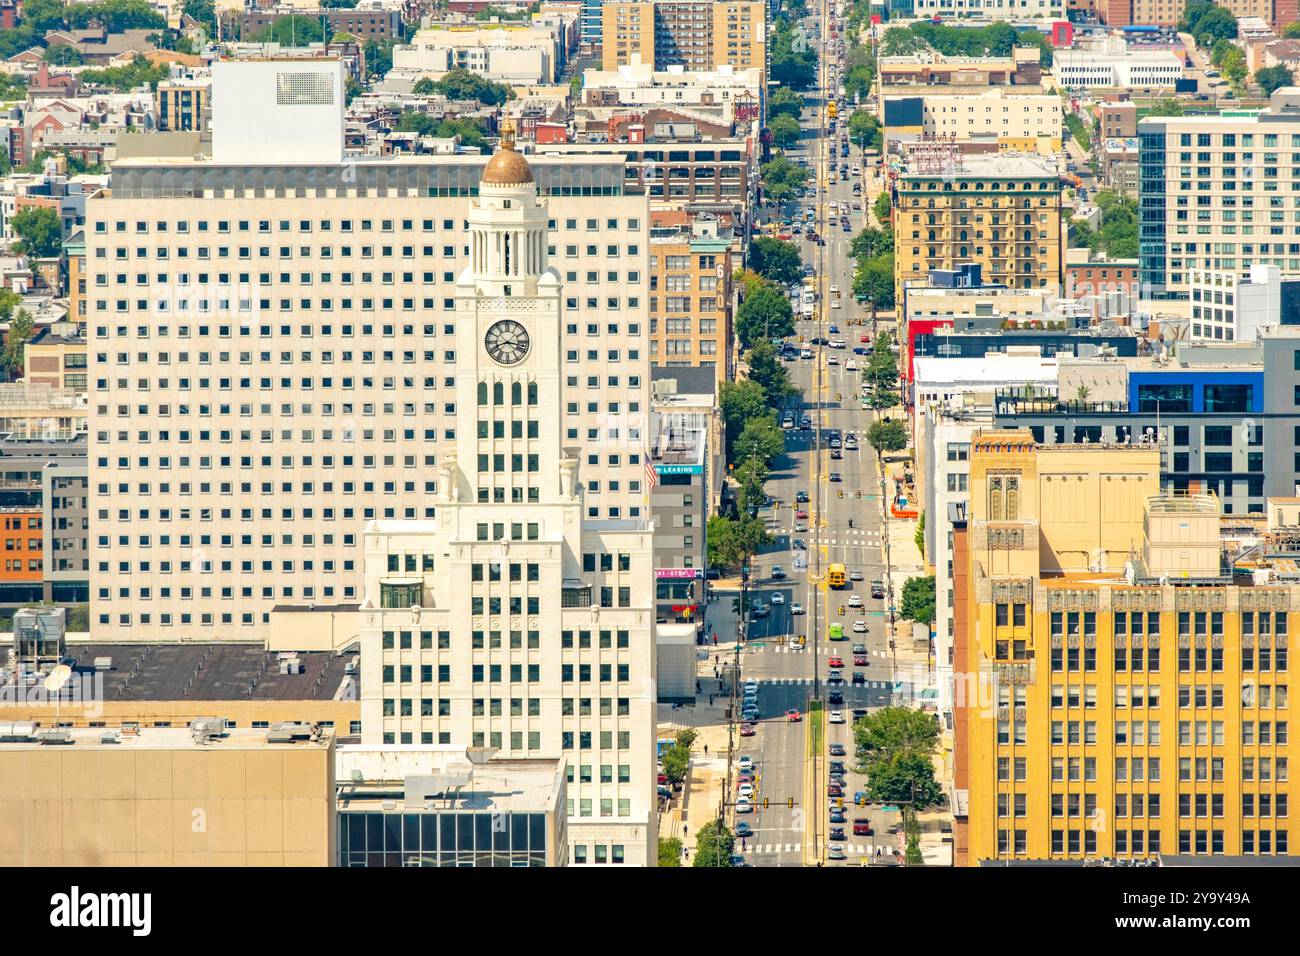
{"x":507,"y":342}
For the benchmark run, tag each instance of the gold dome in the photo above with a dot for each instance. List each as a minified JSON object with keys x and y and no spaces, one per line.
{"x":507,"y":167}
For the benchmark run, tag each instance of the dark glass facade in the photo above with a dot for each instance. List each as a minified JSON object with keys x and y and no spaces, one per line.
{"x":371,"y":838}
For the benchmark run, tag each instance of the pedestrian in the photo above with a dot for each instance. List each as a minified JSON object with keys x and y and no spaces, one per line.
{"x":717,"y":658}
{"x":697,"y":687}
{"x":710,"y":700}
{"x":706,"y":750}
{"x":715,"y":640}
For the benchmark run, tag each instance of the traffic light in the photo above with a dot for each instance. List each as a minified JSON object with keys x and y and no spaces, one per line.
{"x":790,"y":803}
{"x":841,"y":492}
{"x":765,"y":803}
{"x":841,"y":610}
{"x":857,"y":494}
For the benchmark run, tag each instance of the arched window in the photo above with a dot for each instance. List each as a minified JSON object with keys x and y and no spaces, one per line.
{"x":532,"y":393}
{"x":498,"y":394}
{"x":516,"y":394}
{"x":482,"y":393}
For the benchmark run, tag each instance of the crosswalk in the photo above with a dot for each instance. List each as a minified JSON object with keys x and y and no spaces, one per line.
{"x":852,"y":849}
{"x":824,"y":650}
{"x":803,"y":681}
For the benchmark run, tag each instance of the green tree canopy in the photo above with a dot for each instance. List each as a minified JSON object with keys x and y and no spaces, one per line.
{"x":424,"y":86}
{"x":865,"y":130}
{"x":781,"y":178}
{"x":873,"y":280}
{"x":1273,"y":78}
{"x":15,"y":348}
{"x":38,"y":230}
{"x":784,"y":101}
{"x":115,"y":15}
{"x":1165,"y":106}
{"x":761,"y":438}
{"x":464,"y":85}
{"x":750,"y":477}
{"x":670,"y":851}
{"x":765,"y":314}
{"x":292,"y":30}
{"x":896,"y":745}
{"x":766,"y":369}
{"x":776,"y":260}
{"x":883,"y":209}
{"x":740,"y":401}
{"x":871,"y":242}
{"x":887,"y":435}
{"x":713,"y":845}
{"x":785,"y":130}
{"x":918,"y":600}
{"x":732,"y":541}
{"x":139,"y":72}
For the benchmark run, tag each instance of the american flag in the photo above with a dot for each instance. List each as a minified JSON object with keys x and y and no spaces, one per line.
{"x":651,"y":476}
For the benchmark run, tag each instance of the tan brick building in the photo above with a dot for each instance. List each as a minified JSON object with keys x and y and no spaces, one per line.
{"x":696,"y":34}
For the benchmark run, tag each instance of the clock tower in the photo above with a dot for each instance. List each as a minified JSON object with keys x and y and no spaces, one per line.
{"x":508,"y":342}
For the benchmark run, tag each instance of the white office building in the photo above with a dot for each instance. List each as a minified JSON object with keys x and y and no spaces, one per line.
{"x":274,"y":361}
{"x":513,"y":620}
{"x":1087,"y":69}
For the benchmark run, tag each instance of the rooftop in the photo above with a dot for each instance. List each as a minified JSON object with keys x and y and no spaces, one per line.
{"x":989,"y":166}
{"x":213,"y":672}
{"x":158,"y":738}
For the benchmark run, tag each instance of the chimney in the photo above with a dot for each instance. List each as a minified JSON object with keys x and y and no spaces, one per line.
{"x":42,"y":75}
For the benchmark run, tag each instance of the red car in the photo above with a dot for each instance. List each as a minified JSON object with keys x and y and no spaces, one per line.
{"x":860,"y":661}
{"x":834,"y":790}
{"x":801,"y":514}
{"x":835,"y":662}
{"x":865,"y":339}
{"x":793,"y":716}
{"x":746,"y":730}
{"x":861,"y":827}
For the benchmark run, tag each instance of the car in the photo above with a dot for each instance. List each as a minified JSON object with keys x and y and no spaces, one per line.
{"x":805,"y":423}
{"x":860,"y":798}
{"x":801,"y":526}
{"x":859,"y":648}
{"x":836,"y":750}
{"x":836,"y":678}
{"x":835,"y":852}
{"x":802,"y":514}
{"x":859,"y":678}
{"x":835,"y":766}
{"x":859,"y":627}
{"x":859,"y":713}
{"x":834,"y":790}
{"x":834,"y":476}
{"x":859,"y":350}
{"x":743,"y":806}
{"x":749,"y":715}
{"x":836,"y":778}
{"x":836,"y":697}
{"x":778,"y":572}
{"x":837,"y":833}
{"x":835,"y":441}
{"x":860,"y":660}
{"x":832,"y":360}
{"x":838,"y":344}
{"x":778,"y":598}
{"x":799,"y":544}
{"x":793,"y":716}
{"x":738,"y":860}
{"x":743,"y":829}
{"x":800,"y":497}
{"x":838,"y":816}
{"x":746,"y":730}
{"x":745,"y":762}
{"x":835,"y":662}
{"x":877,"y":589}
{"x":850,"y":366}
{"x":745,"y":791}
{"x":835,"y":329}
{"x":851,"y":442}
{"x":837,"y":455}
{"x":665,"y":792}
{"x":760,"y":609}
{"x":855,"y":600}
{"x":747,"y":777}
{"x":796,"y":608}
{"x":836,"y":717}
{"x":855,"y":575}
{"x":862,"y":827}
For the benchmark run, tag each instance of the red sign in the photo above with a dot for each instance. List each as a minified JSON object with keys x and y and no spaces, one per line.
{"x":684,"y":608}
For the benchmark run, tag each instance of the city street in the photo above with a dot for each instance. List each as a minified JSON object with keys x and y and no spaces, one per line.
{"x":790,"y":677}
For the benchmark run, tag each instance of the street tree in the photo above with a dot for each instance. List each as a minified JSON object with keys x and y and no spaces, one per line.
{"x":784,"y":101}
{"x":766,"y":369}
{"x":883,"y":208}
{"x":730,"y":542}
{"x":761,"y":438}
{"x":887,"y":435}
{"x":785,"y":130}
{"x":465,"y":85}
{"x":781,"y":178}
{"x":873,"y":280}
{"x":871,"y":242}
{"x":749,"y":480}
{"x":918,"y":600}
{"x":713,"y":845}
{"x":864,"y":130}
{"x":15,"y":347}
{"x":776,"y":260}
{"x":765,"y":314}
{"x":670,"y":851}
{"x":740,"y":401}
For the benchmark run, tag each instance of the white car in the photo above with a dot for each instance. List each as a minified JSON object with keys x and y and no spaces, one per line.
{"x":830,"y":360}
{"x":796,"y":608}
{"x":836,"y":717}
{"x":835,"y":290}
{"x":745,"y":762}
{"x":835,"y":304}
{"x":837,"y":344}
{"x":746,"y":792}
{"x":855,"y":575}
{"x":744,"y":806}
{"x":778,"y":598}
{"x":859,"y":627}
{"x":850,"y":366}
{"x":855,"y":601}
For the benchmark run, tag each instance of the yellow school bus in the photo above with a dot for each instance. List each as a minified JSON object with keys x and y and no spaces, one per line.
{"x":832,"y":110}
{"x":837,"y":576}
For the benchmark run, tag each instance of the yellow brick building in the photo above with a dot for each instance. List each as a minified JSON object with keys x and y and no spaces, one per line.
{"x":696,"y":34}
{"x":1002,"y":210}
{"x":1119,"y":693}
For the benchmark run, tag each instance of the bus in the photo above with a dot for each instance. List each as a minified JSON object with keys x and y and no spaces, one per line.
{"x":832,"y":110}
{"x":837,"y":576}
